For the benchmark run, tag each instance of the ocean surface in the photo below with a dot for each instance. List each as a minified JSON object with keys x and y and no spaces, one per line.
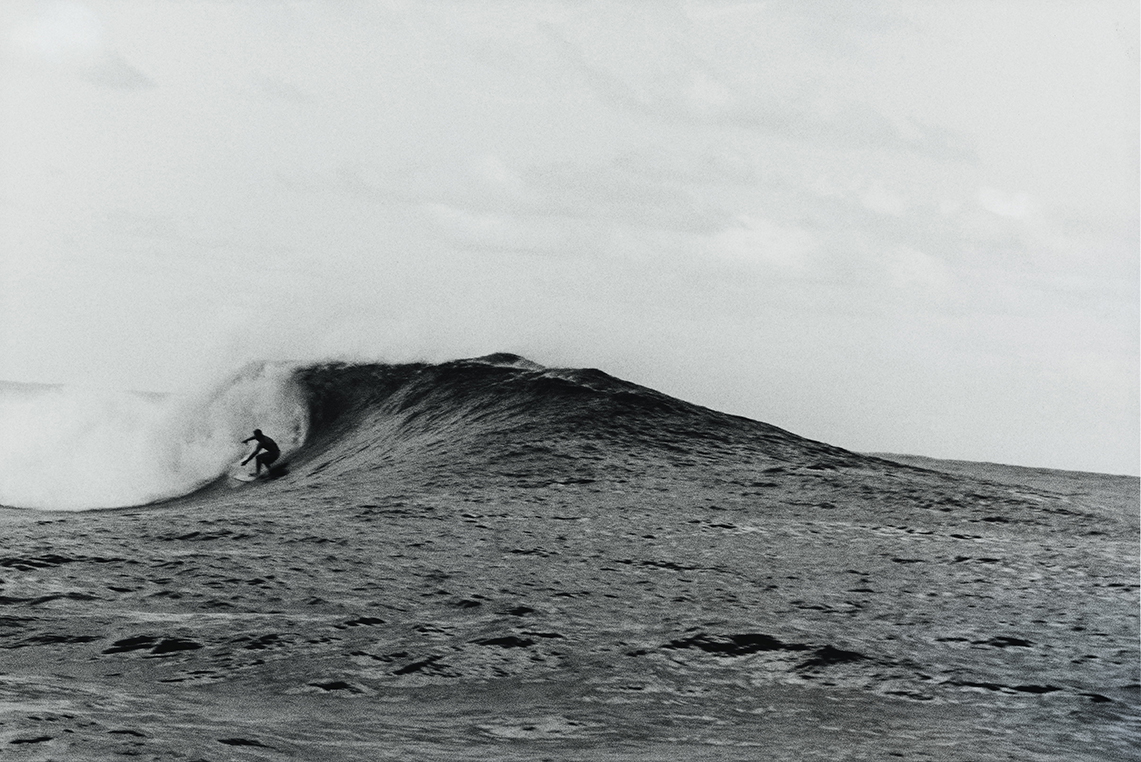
{"x":491,"y":560}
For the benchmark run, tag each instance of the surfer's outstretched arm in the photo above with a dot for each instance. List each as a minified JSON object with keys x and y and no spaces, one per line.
{"x":252,"y":454}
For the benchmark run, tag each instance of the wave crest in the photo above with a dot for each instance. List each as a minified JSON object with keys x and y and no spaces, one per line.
{"x":70,"y":448}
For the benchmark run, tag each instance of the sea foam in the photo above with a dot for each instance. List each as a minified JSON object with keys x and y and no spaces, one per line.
{"x":71,"y":448}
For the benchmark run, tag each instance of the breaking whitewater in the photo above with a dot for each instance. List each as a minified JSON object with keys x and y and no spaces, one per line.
{"x":491,"y":560}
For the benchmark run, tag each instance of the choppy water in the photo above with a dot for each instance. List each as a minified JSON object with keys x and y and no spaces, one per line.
{"x":490,"y":560}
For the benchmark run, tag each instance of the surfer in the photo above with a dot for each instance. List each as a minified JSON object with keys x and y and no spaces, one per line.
{"x":268,"y":449}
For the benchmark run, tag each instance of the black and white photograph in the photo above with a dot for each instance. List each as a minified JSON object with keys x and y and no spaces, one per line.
{"x":569,"y":380}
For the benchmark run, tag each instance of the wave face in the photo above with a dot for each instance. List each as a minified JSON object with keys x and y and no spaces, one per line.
{"x":502,"y":416}
{"x":68,"y":448}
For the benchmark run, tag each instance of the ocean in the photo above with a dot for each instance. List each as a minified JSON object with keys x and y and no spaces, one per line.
{"x":487,"y":559}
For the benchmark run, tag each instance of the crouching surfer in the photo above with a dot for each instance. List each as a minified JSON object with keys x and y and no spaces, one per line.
{"x":268,"y":449}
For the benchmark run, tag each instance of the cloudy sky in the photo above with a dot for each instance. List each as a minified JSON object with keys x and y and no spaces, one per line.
{"x":892,"y":226}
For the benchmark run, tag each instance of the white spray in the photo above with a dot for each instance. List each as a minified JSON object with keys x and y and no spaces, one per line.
{"x":67,"y":448}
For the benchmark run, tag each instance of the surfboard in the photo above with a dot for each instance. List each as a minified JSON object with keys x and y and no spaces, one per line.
{"x":275,"y":471}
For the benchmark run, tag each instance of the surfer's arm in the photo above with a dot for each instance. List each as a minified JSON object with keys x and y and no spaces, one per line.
{"x":252,"y":454}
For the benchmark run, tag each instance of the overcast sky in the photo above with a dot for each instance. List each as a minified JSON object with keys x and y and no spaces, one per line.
{"x":907,"y":227}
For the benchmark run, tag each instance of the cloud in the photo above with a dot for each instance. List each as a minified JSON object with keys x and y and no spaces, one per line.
{"x":683,"y":73}
{"x":688,"y":165}
{"x":60,"y":32}
{"x":605,"y":193}
{"x":881,"y":201}
{"x":1005,"y":204}
{"x":68,"y":36}
{"x":113,"y":71}
{"x":914,"y":270}
{"x":477,"y":200}
{"x":277,"y":88}
{"x":759,"y":242}
{"x":474,"y":230}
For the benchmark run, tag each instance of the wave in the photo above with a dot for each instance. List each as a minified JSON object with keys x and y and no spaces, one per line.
{"x":502,"y":416}
{"x":495,"y":417}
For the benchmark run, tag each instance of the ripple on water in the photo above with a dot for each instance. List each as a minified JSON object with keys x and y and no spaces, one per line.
{"x":548,"y":727}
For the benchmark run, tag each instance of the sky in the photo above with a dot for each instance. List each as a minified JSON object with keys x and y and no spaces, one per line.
{"x":892,"y":226}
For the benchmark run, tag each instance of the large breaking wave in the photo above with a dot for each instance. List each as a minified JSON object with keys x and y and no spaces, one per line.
{"x":499,"y":417}
{"x":504,"y":419}
{"x":69,"y":448}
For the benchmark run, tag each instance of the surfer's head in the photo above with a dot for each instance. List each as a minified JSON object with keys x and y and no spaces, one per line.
{"x":257,"y":432}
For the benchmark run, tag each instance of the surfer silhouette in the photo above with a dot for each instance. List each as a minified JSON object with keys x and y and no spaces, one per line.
{"x":268,"y":449}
